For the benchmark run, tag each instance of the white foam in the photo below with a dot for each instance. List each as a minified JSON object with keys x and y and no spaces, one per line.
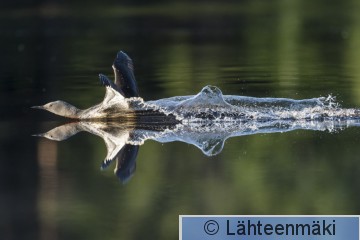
{"x":211,"y":105}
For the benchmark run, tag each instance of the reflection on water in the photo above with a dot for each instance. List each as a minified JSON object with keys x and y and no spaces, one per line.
{"x":47,"y":158}
{"x":204,"y":120}
{"x":123,"y":139}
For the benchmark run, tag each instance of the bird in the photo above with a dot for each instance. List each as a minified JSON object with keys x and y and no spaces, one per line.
{"x":114,"y":104}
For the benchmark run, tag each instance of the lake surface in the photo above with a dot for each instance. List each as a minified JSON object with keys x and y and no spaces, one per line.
{"x":56,"y":190}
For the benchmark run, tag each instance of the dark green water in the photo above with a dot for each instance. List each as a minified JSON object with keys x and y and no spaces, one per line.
{"x":294,"y":49}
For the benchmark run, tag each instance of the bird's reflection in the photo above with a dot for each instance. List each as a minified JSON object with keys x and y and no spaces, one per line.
{"x":125,"y":162}
{"x":123,"y":139}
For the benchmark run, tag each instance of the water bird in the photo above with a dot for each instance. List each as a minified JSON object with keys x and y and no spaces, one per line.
{"x":122,"y":101}
{"x":115,"y":103}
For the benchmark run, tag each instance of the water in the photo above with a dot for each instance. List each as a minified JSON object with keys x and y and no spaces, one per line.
{"x":56,"y":190}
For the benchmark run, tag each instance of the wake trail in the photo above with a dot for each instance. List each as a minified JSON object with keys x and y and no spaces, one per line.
{"x":211,"y":105}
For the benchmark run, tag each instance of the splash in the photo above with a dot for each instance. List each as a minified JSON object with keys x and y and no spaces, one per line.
{"x":211,"y":105}
{"x":206,"y":121}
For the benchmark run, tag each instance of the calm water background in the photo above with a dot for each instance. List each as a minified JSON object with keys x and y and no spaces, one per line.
{"x":49,"y":51}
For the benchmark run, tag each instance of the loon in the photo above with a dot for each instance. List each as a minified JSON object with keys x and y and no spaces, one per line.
{"x":122,"y":103}
{"x":114,"y":104}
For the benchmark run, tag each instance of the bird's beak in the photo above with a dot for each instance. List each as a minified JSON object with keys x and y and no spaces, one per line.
{"x":38,"y":107}
{"x":38,"y":135}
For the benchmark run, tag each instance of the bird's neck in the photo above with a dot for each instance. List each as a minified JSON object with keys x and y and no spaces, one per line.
{"x":70,"y":112}
{"x":73,"y":113}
